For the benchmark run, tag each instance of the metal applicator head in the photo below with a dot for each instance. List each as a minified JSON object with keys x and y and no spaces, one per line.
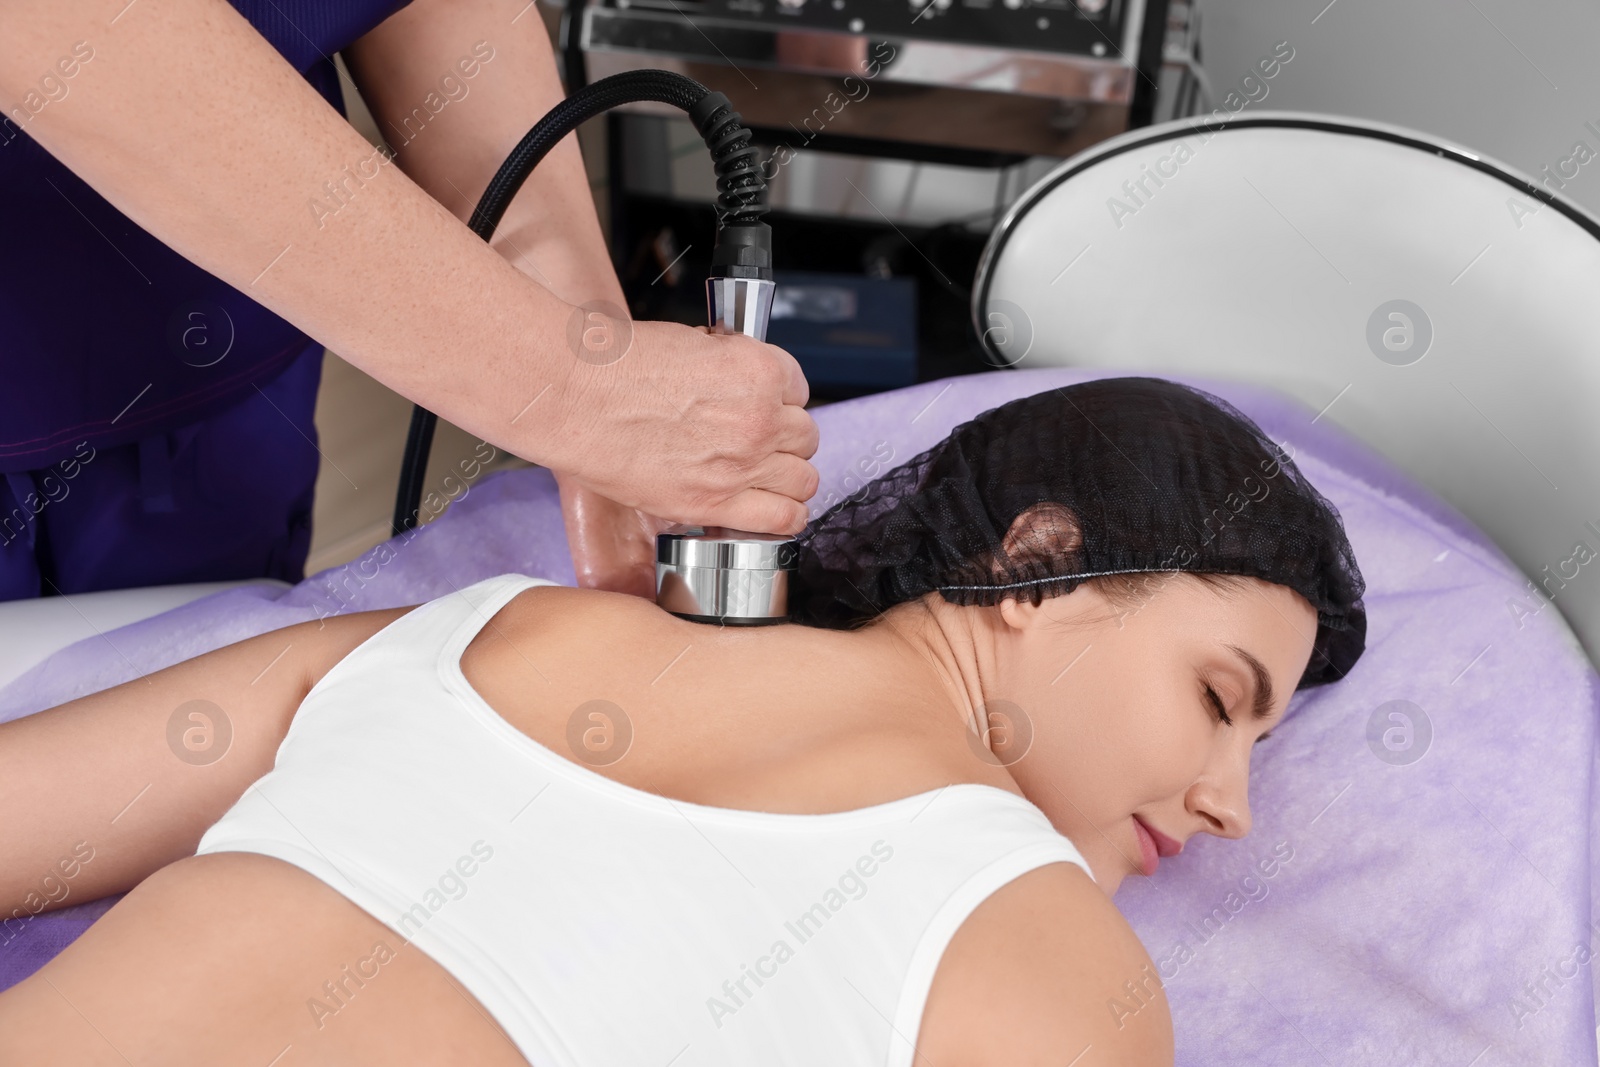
{"x":713,"y":574}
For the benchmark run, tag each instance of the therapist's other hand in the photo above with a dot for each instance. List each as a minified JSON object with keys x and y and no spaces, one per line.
{"x":688,"y":426}
{"x":613,"y":546}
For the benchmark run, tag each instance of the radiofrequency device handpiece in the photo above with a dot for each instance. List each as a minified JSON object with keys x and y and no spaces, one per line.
{"x":711,"y":573}
{"x":708,"y":574}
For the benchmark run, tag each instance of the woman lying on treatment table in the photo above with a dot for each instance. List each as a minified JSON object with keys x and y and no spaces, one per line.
{"x":526,"y":823}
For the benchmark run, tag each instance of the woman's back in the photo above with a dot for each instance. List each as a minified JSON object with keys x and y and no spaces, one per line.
{"x":710,"y":715}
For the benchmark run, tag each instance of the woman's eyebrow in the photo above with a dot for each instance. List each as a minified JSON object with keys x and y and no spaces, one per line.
{"x":1263,"y":683}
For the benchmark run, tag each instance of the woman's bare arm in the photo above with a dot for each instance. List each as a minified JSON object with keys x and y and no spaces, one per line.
{"x":100,"y":792}
{"x":1047,"y":971}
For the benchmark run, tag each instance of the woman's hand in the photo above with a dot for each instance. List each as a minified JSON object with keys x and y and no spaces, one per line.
{"x":685,"y":425}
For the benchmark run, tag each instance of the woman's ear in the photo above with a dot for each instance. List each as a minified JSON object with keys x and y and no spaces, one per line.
{"x":1017,"y":614}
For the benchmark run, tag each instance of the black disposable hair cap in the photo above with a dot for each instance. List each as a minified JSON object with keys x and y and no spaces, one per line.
{"x":1118,"y":476}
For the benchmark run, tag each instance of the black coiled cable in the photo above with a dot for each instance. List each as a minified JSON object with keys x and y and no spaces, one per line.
{"x":741,"y":201}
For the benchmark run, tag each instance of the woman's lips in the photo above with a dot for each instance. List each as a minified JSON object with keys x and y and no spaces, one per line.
{"x":1149,"y":860}
{"x":1154,"y":844}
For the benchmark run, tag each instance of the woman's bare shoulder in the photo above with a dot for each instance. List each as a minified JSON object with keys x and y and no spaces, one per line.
{"x":538,"y":611}
{"x":565,"y":608}
{"x":1043,"y":970}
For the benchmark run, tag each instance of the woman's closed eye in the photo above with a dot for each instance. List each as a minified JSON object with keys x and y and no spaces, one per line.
{"x":1222,"y":710}
{"x":1216,"y":702}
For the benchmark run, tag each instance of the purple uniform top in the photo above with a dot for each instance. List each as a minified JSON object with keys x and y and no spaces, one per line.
{"x":106,"y":334}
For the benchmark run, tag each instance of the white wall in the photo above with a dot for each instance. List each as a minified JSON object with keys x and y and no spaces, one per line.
{"x":1511,"y":79}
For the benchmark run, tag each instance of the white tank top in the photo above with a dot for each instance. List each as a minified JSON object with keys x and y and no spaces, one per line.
{"x":604,"y":925}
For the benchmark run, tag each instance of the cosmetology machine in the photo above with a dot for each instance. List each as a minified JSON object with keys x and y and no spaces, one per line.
{"x":706,"y":574}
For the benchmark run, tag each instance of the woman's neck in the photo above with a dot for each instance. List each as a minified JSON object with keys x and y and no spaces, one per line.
{"x":931,"y":663}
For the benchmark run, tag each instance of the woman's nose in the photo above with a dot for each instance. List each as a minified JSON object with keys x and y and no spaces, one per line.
{"x":1222,"y":797}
